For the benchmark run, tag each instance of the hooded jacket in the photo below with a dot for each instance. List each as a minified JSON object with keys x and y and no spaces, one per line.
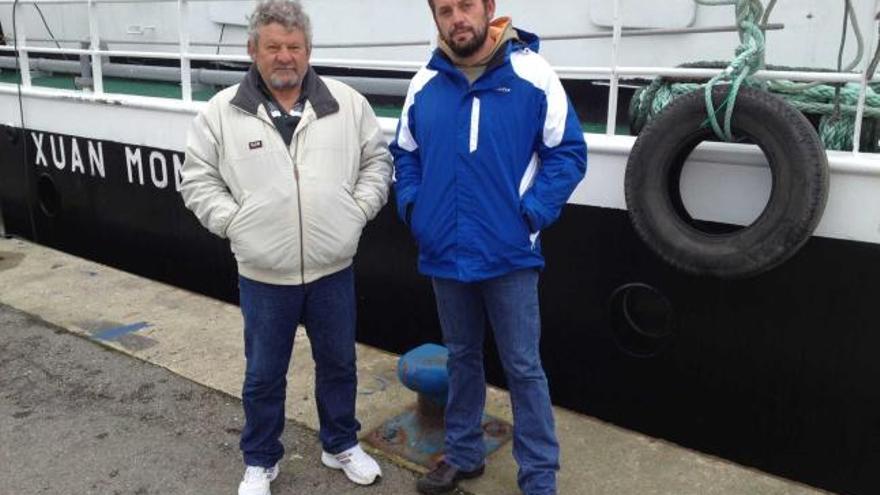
{"x":293,"y":214}
{"x":482,"y":168}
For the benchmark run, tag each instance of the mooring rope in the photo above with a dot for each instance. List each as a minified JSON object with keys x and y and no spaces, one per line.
{"x":836,"y":104}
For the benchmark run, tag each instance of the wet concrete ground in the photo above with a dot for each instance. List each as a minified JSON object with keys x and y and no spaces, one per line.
{"x":79,"y":418}
{"x":76,"y":418}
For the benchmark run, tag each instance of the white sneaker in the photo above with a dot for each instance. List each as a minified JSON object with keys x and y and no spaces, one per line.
{"x":256,"y":480}
{"x":357,"y":465}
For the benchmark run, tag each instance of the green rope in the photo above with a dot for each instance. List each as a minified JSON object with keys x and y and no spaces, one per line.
{"x":749,"y":59}
{"x":835,"y":106}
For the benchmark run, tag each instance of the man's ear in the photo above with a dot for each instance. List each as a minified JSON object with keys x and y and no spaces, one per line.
{"x":490,"y":9}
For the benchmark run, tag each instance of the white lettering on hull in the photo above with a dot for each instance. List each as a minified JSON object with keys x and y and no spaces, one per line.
{"x":76,"y":163}
{"x":64,"y":150}
{"x":58,"y":158}
{"x":160,"y":179}
{"x":38,"y":142}
{"x":133,"y":159}
{"x":96,"y":159}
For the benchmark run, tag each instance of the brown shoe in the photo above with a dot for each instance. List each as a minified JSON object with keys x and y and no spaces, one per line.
{"x":444,"y":478}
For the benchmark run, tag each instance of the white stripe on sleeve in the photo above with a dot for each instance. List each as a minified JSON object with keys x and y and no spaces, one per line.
{"x":405,"y":138}
{"x":534,"y":69}
{"x":529,"y":175}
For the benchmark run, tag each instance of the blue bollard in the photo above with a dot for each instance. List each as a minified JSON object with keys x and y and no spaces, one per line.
{"x":417,"y":434}
{"x":423,"y":370}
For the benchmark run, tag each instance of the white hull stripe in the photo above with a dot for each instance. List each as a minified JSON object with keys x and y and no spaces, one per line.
{"x":854,"y":178}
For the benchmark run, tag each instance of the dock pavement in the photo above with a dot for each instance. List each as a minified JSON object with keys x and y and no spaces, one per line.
{"x":194,"y":343}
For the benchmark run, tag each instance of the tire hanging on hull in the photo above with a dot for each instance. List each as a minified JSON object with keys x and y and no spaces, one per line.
{"x":799,"y":169}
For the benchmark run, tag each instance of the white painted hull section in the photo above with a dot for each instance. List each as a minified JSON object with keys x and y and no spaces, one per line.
{"x":721,"y":182}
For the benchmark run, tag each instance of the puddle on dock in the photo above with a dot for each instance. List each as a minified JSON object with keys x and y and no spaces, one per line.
{"x":10,"y":260}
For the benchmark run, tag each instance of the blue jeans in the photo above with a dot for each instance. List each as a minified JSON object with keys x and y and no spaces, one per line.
{"x":511,"y":303}
{"x":271,"y":314}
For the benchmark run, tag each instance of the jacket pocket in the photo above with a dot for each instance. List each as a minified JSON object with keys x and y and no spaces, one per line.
{"x":264,"y":233}
{"x":349,"y":191}
{"x":333,"y":228}
{"x":230,"y":227}
{"x":417,"y":221}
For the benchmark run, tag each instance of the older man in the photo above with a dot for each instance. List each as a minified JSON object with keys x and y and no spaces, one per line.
{"x":290,"y":167}
{"x":487,"y":153}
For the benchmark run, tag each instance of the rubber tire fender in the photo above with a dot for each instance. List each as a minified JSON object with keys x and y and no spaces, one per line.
{"x":799,"y":191}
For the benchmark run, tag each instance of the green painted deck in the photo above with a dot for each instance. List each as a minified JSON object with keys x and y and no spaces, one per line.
{"x":112,"y":85}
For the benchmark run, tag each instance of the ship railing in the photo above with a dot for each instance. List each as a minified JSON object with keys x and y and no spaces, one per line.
{"x":613,"y":73}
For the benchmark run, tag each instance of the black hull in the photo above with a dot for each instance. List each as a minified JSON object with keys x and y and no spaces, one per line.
{"x":776,"y":372}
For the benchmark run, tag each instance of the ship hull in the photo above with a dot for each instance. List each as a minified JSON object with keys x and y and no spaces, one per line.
{"x":776,"y":371}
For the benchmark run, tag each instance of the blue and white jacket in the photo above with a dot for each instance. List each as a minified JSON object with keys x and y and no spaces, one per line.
{"x":480,"y":169}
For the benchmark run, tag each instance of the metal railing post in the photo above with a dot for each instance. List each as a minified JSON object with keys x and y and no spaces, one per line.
{"x":863,"y":91}
{"x":95,"y":48}
{"x":185,"y":66}
{"x":611,"y":125}
{"x":24,"y":65}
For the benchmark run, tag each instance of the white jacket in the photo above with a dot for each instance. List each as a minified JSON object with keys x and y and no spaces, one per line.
{"x":292,"y":215}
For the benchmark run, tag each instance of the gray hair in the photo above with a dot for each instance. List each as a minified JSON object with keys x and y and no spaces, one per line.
{"x":288,"y":13}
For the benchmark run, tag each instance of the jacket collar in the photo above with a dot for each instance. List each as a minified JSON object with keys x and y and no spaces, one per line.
{"x":249,"y":96}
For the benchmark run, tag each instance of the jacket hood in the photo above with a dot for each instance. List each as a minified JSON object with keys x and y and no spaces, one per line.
{"x":530,"y":40}
{"x":500,"y":31}
{"x":441,"y":61}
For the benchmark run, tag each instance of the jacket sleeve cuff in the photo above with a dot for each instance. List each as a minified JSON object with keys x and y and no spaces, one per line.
{"x":404,"y":211}
{"x":365,"y":209}
{"x":535,"y":214}
{"x":225,"y":221}
{"x":405,"y":202}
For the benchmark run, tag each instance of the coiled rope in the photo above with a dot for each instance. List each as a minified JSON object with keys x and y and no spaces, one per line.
{"x":835,"y":105}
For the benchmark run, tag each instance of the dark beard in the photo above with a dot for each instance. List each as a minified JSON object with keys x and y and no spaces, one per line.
{"x":471,"y":47}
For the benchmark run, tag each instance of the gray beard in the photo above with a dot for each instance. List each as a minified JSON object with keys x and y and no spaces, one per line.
{"x":282,"y":84}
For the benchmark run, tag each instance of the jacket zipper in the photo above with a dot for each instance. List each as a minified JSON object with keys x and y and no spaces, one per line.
{"x":302,"y":256}
{"x":302,"y":250}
